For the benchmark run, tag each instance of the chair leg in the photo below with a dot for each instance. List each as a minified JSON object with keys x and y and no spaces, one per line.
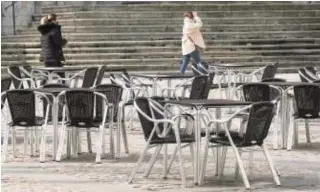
{"x":205,"y":160}
{"x":271,"y":165}
{"x":307,"y":131}
{"x":165,"y":161}
{"x":79,"y":142}
{"x":5,"y":144}
{"x":290,"y":135}
{"x":31,"y":141}
{"x":69,"y":140}
{"x":172,"y":158}
{"x":99,"y":144}
{"x":14,"y":142}
{"x":43,"y":145}
{"x":152,"y":161}
{"x":236,"y":173}
{"x":182,"y":172}
{"x":25,"y":141}
{"x":138,"y":163}
{"x":223,"y":161}
{"x":89,"y":140}
{"x":36,"y":131}
{"x":240,"y":164}
{"x":296,"y":133}
{"x":61,"y":143}
{"x":125,"y":139}
{"x":111,"y":141}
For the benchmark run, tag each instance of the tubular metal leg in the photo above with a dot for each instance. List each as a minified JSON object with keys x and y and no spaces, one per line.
{"x":243,"y":173}
{"x":290,"y":135}
{"x":14,"y":137}
{"x":271,"y":165}
{"x":43,"y":146}
{"x":183,"y":176}
{"x":119,"y":128}
{"x":138,"y":163}
{"x":307,"y":131}
{"x":25,"y":141}
{"x":205,"y":160}
{"x":165,"y":161}
{"x":152,"y":161}
{"x":99,"y":144}
{"x":223,"y":160}
{"x":61,"y":143}
{"x":172,"y":158}
{"x":89,"y":140}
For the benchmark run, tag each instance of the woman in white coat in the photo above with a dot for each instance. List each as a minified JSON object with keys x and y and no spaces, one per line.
{"x":192,"y":40}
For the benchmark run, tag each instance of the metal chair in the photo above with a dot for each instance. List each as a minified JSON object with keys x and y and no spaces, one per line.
{"x":304,"y":76}
{"x":307,"y":107}
{"x":200,"y":69}
{"x":22,"y":105}
{"x":270,"y":71}
{"x":79,"y":110}
{"x":5,"y":86}
{"x":159,"y":131}
{"x":113,"y":93}
{"x":18,"y":81}
{"x":260,"y":118}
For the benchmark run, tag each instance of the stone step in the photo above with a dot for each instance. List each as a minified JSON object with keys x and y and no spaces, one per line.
{"x":178,"y":28}
{"x":218,"y":55}
{"x":179,"y":21}
{"x":183,"y":7}
{"x":306,"y":48}
{"x":156,"y":64}
{"x":179,"y":14}
{"x":97,"y":44}
{"x":177,"y":35}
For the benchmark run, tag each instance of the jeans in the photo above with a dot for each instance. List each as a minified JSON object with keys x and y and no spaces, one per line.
{"x":186,"y":59}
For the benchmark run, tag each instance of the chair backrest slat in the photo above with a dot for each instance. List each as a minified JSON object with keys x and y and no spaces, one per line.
{"x":15,"y":70}
{"x":113,"y":94}
{"x":89,"y":77}
{"x":198,"y":87}
{"x":258,"y":125}
{"x":270,"y":71}
{"x":22,"y":107}
{"x":100,"y":75}
{"x":307,"y":99}
{"x":80,"y":107}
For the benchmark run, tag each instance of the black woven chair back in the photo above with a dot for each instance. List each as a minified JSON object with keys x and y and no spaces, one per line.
{"x":274,"y":80}
{"x":270,"y":71}
{"x":256,"y":92}
{"x":89,"y":77}
{"x":260,"y":118}
{"x":198,"y":87}
{"x":100,"y":75}
{"x":147,"y":126}
{"x":16,"y":72}
{"x":113,"y":94}
{"x":208,"y":86}
{"x":5,"y":86}
{"x":22,"y":107}
{"x":80,"y":105}
{"x":311,"y":70}
{"x":304,"y":76}
{"x":307,"y":98}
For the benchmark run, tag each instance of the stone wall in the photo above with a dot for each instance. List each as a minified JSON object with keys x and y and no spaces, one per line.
{"x":23,"y":12}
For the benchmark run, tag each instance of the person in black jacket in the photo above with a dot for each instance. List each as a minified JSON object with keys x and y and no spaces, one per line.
{"x":51,"y":42}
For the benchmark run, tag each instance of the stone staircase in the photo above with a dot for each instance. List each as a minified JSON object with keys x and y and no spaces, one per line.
{"x":148,"y":36}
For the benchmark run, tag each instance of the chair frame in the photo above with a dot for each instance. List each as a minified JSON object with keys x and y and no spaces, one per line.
{"x":226,"y":126}
{"x":74,"y":137}
{"x":12,"y":129}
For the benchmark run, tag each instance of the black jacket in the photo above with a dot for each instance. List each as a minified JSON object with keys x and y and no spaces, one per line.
{"x":51,"y":44}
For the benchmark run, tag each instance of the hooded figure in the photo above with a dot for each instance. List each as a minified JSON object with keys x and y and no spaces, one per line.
{"x":51,"y":43}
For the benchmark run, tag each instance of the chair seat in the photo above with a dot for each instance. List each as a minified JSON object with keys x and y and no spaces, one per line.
{"x":172,"y":139}
{"x":223,"y":139}
{"x":39,"y":122}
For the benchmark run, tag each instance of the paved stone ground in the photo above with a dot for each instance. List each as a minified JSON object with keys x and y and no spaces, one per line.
{"x":299,"y":168}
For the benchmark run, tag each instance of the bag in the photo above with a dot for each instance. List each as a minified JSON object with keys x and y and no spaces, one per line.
{"x":200,"y":49}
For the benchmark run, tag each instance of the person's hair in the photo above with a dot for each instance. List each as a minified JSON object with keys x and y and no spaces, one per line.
{"x":188,"y":14}
{"x":44,"y":20}
{"x":52,"y":17}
